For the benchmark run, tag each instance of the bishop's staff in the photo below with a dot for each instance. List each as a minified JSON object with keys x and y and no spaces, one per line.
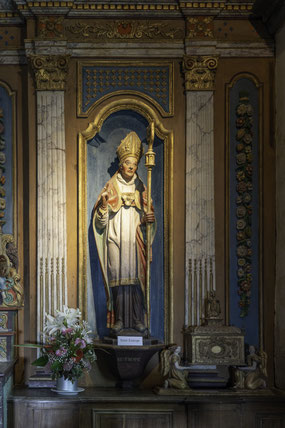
{"x":149,"y":163}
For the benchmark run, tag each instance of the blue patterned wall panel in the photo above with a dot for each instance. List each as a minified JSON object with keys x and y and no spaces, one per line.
{"x":97,"y":82}
{"x":6,"y":159}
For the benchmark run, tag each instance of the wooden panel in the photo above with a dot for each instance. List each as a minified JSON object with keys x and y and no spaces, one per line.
{"x":55,"y":418}
{"x":110,"y":408}
{"x":19,"y":415}
{"x":127,"y":419}
{"x":215,"y":416}
{"x":270,"y":421}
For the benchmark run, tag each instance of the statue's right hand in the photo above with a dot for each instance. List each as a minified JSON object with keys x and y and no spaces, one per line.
{"x":105,"y":196}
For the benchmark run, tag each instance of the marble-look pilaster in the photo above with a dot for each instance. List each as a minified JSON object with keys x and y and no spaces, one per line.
{"x":51,"y":280}
{"x":200,"y":221}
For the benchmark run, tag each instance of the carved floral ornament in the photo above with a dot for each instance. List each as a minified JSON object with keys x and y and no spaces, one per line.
{"x":50,"y":27}
{"x":11,"y":289}
{"x":200,"y":72}
{"x":200,"y":27}
{"x":127,"y":29}
{"x":50,"y":71}
{"x":244,"y":206}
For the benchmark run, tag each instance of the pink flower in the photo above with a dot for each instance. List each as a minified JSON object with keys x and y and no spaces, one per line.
{"x":67,"y":330}
{"x":80,"y":342}
{"x":60,"y":352}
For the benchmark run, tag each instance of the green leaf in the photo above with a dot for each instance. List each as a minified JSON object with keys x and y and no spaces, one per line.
{"x":29,"y":345}
{"x":56,"y":365}
{"x":41,"y":361}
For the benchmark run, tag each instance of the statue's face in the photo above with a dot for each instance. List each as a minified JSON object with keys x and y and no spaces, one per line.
{"x":129,"y":167}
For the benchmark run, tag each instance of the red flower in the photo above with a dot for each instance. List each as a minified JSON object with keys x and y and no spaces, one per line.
{"x":79,"y":355}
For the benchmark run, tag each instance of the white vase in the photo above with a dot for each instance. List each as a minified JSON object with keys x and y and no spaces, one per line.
{"x":67,"y":387}
{"x":66,"y":384}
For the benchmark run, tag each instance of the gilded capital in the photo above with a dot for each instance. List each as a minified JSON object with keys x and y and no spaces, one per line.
{"x":200,"y":72}
{"x":50,"y":71}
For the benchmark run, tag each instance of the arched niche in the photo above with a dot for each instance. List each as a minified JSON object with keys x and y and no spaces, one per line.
{"x":96,"y":164}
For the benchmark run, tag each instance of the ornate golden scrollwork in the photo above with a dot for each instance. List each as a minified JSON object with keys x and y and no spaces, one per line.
{"x":3,"y":349}
{"x":11,"y":290}
{"x":127,"y":29}
{"x":200,"y":72}
{"x":200,"y":27}
{"x":50,"y":71}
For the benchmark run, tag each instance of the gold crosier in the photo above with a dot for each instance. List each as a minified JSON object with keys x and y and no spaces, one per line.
{"x":149,"y":163}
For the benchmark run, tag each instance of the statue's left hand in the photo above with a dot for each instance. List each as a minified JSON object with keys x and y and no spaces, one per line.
{"x":148,"y":218}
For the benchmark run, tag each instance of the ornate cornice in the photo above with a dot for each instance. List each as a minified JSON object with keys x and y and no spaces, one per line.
{"x":163,"y":7}
{"x":229,"y":6}
{"x":200,"y":72}
{"x":50,"y":71}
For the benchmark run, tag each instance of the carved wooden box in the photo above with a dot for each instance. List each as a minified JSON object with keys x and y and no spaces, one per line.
{"x":214,"y":344}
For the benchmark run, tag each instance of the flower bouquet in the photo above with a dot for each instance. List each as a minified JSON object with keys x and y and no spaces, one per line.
{"x":68,"y":348}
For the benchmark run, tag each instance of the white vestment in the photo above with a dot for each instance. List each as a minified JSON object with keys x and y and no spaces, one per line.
{"x":122,"y":266}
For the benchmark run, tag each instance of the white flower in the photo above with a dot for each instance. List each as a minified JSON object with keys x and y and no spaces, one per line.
{"x":52,"y":325}
{"x":69,"y":317}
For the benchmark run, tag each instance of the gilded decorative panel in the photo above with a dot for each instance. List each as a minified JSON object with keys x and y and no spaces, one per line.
{"x":200,"y":27}
{"x":3,"y":320}
{"x":123,"y":30}
{"x":3,"y":349}
{"x":50,"y":27}
{"x":100,"y":80}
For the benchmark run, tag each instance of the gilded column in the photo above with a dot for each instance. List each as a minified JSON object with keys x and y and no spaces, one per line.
{"x":200,"y":220}
{"x":50,"y":73}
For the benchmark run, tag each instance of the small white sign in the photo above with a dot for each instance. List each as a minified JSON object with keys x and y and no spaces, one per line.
{"x":130,"y":341}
